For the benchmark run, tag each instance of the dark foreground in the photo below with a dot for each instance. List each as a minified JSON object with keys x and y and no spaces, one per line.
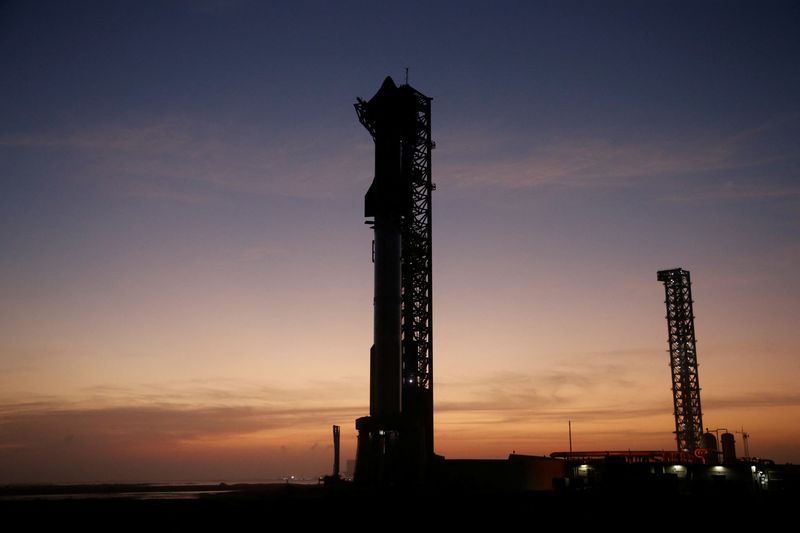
{"x":290,"y":506}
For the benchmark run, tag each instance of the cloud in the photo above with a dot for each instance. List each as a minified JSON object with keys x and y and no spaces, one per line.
{"x":193,"y":161}
{"x":746,"y":400}
{"x":584,"y":162}
{"x":182,"y":430}
{"x":734,"y":191}
{"x":202,"y":393}
{"x":590,"y":392}
{"x":190,"y":429}
{"x":473,"y":161}
{"x":164,"y":443}
{"x":577,"y":391}
{"x":171,"y":412}
{"x":593,"y":163}
{"x":167,"y":426}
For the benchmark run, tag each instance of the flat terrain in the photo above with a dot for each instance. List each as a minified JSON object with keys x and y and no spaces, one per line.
{"x":272,"y":506}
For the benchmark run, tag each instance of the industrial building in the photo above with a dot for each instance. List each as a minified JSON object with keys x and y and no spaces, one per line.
{"x":665,"y":471}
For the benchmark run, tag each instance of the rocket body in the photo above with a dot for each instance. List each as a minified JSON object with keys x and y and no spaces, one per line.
{"x":383,"y":202}
{"x":385,"y":385}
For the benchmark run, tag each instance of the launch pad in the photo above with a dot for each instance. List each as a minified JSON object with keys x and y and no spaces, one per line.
{"x":396,"y":440}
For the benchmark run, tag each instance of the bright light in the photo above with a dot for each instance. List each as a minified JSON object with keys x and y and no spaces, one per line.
{"x":584,"y":467}
{"x":677,"y":467}
{"x":753,"y":469}
{"x":718,"y":468}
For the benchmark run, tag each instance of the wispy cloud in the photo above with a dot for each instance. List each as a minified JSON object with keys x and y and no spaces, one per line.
{"x":567,"y":391}
{"x":734,"y":191}
{"x":579,"y":394}
{"x":167,"y":424}
{"x":586,"y":162}
{"x":166,"y":442}
{"x":600,"y":162}
{"x":198,"y":393}
{"x":188,"y":426}
{"x":748,"y":400}
{"x":190,"y":161}
{"x":157,"y":424}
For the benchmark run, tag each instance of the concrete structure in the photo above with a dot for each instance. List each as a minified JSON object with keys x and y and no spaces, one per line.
{"x":517,"y":473}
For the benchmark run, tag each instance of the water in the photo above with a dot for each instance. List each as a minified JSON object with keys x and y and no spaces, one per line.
{"x":179,"y":491}
{"x":149,"y":495}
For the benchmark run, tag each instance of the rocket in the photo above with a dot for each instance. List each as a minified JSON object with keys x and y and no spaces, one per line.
{"x":382,"y":116}
{"x":395,"y":442}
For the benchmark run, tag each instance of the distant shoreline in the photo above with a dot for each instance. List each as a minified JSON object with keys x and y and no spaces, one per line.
{"x":19,"y":492}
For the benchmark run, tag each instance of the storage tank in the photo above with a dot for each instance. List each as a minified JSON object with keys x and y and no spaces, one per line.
{"x":728,"y":448}
{"x":710,"y":444}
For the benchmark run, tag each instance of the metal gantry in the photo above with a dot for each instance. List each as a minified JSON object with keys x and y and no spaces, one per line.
{"x":416,"y":272}
{"x":683,"y":358}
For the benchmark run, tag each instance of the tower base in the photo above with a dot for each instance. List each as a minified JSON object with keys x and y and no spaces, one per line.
{"x":391,"y":451}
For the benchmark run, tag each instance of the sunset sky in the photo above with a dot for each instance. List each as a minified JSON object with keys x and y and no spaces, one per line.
{"x":185,"y":275}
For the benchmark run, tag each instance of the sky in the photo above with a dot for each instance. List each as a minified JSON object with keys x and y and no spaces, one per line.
{"x":185,"y":276}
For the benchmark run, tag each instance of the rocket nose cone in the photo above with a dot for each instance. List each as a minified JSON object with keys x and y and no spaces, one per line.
{"x":387,"y":90}
{"x":388,"y":83}
{"x":384,"y":98}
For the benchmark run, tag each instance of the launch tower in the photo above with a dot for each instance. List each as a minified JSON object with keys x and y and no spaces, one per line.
{"x":395,"y":442}
{"x":683,"y":359}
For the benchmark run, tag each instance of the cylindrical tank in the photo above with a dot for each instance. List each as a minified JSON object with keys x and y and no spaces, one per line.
{"x":385,"y":356}
{"x":710,"y":444}
{"x":728,"y":448}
